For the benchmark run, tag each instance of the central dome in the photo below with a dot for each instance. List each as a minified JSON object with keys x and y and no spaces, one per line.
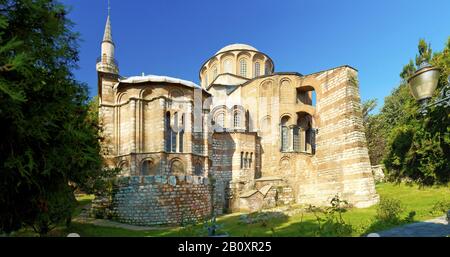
{"x":237,"y":47}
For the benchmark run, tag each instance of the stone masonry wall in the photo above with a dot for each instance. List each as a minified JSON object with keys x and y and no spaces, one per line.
{"x":159,"y":200}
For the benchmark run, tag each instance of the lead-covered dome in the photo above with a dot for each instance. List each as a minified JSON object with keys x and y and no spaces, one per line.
{"x":238,"y":60}
{"x":236,"y":47}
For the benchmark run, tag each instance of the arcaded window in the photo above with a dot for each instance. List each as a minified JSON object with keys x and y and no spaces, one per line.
{"x":242,"y":160}
{"x":243,"y":66}
{"x":307,"y":134}
{"x":237,"y":120}
{"x":257,"y":70}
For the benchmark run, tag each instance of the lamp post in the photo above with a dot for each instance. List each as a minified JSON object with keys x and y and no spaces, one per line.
{"x":422,"y":85}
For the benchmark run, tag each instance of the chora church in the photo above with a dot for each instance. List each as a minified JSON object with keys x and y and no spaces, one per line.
{"x":247,"y":138}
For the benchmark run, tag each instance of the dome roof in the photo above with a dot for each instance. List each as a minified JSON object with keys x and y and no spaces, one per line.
{"x":237,"y":47}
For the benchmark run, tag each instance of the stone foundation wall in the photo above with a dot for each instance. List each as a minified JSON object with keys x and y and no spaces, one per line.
{"x":161,"y":200}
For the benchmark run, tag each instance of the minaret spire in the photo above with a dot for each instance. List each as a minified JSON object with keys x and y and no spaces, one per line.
{"x":108,"y":63}
{"x":107,"y":37}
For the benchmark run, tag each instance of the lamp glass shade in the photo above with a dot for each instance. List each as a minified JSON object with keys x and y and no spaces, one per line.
{"x":423,"y":83}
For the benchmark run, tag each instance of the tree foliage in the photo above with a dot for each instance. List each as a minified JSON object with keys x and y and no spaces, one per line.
{"x":413,"y":146}
{"x":49,"y":143}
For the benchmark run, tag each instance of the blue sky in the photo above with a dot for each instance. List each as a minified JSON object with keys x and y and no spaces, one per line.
{"x":174,"y":37}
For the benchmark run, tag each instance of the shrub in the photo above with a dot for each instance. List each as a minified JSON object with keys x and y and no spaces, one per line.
{"x":389,"y":210}
{"x":441,"y":207}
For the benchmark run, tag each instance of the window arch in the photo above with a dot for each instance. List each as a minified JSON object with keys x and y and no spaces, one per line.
{"x":246,"y":160}
{"x":220,"y":119}
{"x":267,"y":68}
{"x":286,"y":94}
{"x":124,"y":167}
{"x":306,"y":141}
{"x":257,"y":69}
{"x":181,"y":135}
{"x":177,"y":167}
{"x":169,"y":132}
{"x":148,"y":168}
{"x":284,"y":134}
{"x":243,"y":67}
{"x":173,"y":139}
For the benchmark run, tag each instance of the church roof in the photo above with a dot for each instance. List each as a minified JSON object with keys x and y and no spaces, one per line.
{"x":156,"y":78}
{"x":237,"y":47}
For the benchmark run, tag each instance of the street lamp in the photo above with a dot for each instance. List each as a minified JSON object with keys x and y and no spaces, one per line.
{"x":422,"y":85}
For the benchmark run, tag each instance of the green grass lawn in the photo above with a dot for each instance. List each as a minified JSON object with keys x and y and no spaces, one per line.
{"x":362,"y":221}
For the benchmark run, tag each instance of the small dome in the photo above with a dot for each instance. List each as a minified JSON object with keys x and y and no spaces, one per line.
{"x":237,"y":47}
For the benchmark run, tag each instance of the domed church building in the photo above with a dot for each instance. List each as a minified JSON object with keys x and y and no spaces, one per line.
{"x":247,"y":137}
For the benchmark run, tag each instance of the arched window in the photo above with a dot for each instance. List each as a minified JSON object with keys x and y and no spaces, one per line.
{"x":177,"y":167}
{"x":267,"y":68}
{"x":168,"y":131}
{"x":243,"y":68}
{"x":124,"y":168}
{"x":227,"y":66}
{"x":296,"y":138}
{"x":237,"y":119}
{"x":242,"y":160}
{"x":148,"y":168}
{"x":220,"y":120}
{"x":173,"y":139}
{"x":307,"y":133}
{"x":257,"y":70}
{"x":284,"y":134}
{"x":246,"y":160}
{"x":181,"y":135}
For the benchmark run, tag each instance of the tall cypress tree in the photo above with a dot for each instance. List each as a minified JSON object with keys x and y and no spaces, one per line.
{"x":48,"y":142}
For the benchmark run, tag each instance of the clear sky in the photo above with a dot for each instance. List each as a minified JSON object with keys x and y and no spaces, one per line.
{"x":175,"y":37}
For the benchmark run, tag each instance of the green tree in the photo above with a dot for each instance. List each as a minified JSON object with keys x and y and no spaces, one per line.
{"x":418,"y":147}
{"x":49,"y":143}
{"x":373,"y":129}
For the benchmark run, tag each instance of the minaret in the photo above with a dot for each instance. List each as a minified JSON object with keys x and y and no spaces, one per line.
{"x":108,"y":76}
{"x":106,"y":63}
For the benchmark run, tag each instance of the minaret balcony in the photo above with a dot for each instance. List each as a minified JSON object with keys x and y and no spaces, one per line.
{"x":107,"y":64}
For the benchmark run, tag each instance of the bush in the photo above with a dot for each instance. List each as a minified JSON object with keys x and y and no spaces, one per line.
{"x":441,"y":207}
{"x":389,"y":210}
